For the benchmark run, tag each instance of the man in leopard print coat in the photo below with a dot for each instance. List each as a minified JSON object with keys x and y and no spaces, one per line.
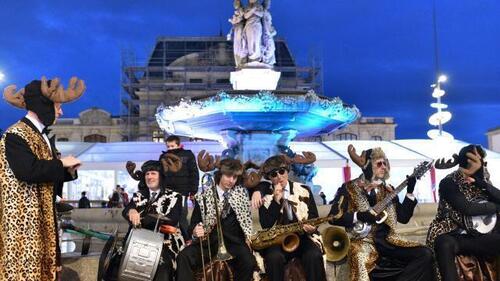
{"x":31,"y":175}
{"x":382,"y":254}
{"x":465,"y":192}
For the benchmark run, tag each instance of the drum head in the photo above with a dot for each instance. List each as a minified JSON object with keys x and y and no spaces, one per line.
{"x":107,"y":254}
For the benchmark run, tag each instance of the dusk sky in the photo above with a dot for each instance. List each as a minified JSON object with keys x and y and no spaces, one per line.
{"x":378,"y":55}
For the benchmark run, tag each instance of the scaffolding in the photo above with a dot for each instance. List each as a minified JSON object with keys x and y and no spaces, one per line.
{"x":192,"y":67}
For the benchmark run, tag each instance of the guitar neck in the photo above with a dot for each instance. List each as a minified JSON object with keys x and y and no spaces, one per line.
{"x":380,"y":206}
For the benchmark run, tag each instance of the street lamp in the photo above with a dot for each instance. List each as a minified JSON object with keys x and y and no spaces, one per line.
{"x":441,"y":116}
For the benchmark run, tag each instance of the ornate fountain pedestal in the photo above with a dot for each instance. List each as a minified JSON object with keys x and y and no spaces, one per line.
{"x":255,"y":79}
{"x":256,"y":124}
{"x":256,"y":146}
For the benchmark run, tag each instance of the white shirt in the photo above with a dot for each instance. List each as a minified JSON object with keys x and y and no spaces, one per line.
{"x":220,"y":192}
{"x":40,"y":128}
{"x":286,"y":190}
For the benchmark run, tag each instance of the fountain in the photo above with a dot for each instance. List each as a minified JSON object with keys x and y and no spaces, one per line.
{"x":254,"y":120}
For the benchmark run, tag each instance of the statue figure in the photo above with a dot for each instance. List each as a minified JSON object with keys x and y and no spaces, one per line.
{"x":252,"y":33}
{"x":253,"y":29}
{"x":268,"y":34}
{"x":239,"y":41}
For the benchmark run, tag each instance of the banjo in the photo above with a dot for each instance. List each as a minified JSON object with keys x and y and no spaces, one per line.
{"x":483,"y":224}
{"x":362,"y":229}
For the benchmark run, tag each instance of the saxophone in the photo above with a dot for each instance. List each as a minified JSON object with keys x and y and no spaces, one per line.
{"x":285,"y":235}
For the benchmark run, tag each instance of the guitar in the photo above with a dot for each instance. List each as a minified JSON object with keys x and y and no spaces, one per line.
{"x":362,"y":229}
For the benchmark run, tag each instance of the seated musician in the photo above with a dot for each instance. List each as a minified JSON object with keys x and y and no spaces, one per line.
{"x":285,"y":202}
{"x":351,"y":205}
{"x":235,"y":220}
{"x":151,"y":201}
{"x":459,"y":194}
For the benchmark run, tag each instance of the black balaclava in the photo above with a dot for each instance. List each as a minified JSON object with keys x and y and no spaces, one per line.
{"x":152,"y":165}
{"x":462,"y":157}
{"x":367,"y":169}
{"x":38,"y":103}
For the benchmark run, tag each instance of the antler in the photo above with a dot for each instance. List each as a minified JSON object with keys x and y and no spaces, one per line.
{"x":359,"y":160}
{"x":136,"y":175}
{"x":446,"y":164}
{"x":56,"y":92}
{"x":170,"y":163}
{"x":205,"y":161}
{"x":14,"y":98}
{"x":250,"y":180}
{"x":307,"y":158}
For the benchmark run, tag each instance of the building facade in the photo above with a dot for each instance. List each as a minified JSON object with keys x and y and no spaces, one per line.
{"x":192,"y":68}
{"x":92,"y":125}
{"x":494,"y":139}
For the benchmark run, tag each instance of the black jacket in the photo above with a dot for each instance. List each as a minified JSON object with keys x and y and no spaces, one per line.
{"x":186,"y":180}
{"x":269,"y":216}
{"x":27,"y":167}
{"x":146,"y":210}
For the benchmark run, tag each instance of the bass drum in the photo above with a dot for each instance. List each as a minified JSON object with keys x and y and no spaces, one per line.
{"x":141,"y":255}
{"x":109,"y":261}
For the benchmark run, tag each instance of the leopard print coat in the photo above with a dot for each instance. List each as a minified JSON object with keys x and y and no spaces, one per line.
{"x":362,"y":252}
{"x":240,"y":203}
{"x":28,"y":230}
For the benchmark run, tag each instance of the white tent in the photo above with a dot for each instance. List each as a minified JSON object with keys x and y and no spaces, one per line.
{"x":104,"y":163}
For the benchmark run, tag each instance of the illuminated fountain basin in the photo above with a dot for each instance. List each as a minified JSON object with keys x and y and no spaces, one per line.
{"x":256,"y":124}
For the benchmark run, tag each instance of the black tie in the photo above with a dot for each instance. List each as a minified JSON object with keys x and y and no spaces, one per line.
{"x":46,"y":131}
{"x":226,"y":208}
{"x":372,"y":197}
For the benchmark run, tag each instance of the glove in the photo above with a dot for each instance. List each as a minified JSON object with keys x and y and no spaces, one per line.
{"x":411,"y":184}
{"x":366,"y":216}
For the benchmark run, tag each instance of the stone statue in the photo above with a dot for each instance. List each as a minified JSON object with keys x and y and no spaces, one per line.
{"x":268,"y":33}
{"x":239,"y":42}
{"x":253,"y":34}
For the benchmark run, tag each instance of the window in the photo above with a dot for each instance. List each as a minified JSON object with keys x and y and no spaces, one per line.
{"x":222,"y":81}
{"x":158,"y":136}
{"x":346,"y":136}
{"x":377,"y":138}
{"x":62,"y":139}
{"x":94,"y":138}
{"x":196,"y":80}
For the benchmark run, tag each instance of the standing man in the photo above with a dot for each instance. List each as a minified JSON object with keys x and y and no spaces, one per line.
{"x":185,"y":181}
{"x":155,"y":199}
{"x":464,"y":193}
{"x":236,"y":224}
{"x":352,"y":205}
{"x":84,"y":202}
{"x":30,"y":178}
{"x":286,"y":202}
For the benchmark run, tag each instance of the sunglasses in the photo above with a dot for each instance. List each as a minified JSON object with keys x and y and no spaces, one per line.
{"x":380,"y":163}
{"x":275,"y":173}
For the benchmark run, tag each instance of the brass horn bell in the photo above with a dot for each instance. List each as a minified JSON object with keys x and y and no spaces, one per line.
{"x":336,"y":243}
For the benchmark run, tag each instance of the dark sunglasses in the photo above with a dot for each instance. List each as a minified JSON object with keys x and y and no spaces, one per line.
{"x":274,"y":173}
{"x":380,"y":163}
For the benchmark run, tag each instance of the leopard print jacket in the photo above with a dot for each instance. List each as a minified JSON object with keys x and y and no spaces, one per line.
{"x":28,"y":230}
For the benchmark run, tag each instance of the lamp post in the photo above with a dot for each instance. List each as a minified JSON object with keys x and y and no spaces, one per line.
{"x":441,"y":116}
